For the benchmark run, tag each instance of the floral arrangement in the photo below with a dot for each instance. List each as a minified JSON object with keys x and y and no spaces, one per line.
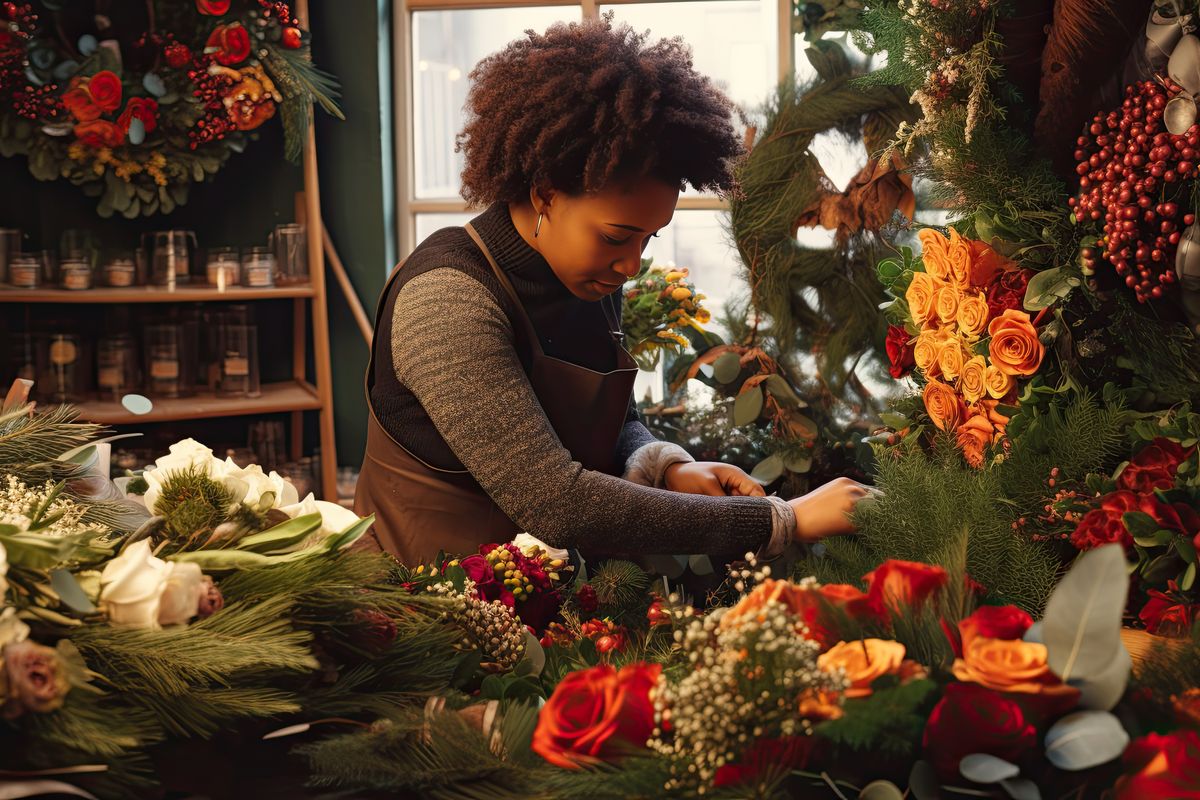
{"x":136,"y":106}
{"x":959,"y":324}
{"x":660,"y":302}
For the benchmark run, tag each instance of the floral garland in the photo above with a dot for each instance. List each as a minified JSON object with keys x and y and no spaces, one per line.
{"x":135,"y":111}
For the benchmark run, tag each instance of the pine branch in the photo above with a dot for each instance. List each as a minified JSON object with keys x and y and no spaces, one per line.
{"x":31,"y":445}
{"x":619,"y":585}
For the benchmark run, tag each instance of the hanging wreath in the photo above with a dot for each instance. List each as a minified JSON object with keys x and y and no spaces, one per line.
{"x":134,"y":103}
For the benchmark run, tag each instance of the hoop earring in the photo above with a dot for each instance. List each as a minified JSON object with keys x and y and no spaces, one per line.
{"x":538,"y":228}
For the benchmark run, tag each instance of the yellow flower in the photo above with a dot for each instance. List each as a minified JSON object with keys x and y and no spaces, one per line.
{"x":703,"y":315}
{"x":960,"y":257}
{"x":946,"y":304}
{"x":952,"y":357}
{"x":972,"y":315}
{"x":676,"y":275}
{"x":920,"y":296}
{"x":974,"y":376}
{"x":998,"y":382}
{"x":681,"y":293}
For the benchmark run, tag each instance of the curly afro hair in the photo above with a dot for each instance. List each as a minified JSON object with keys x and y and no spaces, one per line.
{"x":587,"y":103}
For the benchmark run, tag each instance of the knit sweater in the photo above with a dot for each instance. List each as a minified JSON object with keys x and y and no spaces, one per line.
{"x":457,"y":395}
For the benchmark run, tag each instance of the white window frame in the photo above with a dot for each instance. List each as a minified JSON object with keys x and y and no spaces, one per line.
{"x":409,"y":206}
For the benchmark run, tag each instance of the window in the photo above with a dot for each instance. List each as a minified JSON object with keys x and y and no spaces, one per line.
{"x":735,"y":42}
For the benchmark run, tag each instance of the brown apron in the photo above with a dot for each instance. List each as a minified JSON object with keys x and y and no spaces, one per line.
{"x":420,"y":509}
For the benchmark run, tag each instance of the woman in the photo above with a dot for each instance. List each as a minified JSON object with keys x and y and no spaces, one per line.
{"x":499,"y":394}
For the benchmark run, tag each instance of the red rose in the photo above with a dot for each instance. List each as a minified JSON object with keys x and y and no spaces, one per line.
{"x":178,"y":55}
{"x":1007,"y":291}
{"x":823,"y":607}
{"x":213,"y":8}
{"x":971,"y":719}
{"x":597,"y":715}
{"x":994,"y":622}
{"x":1179,"y":517}
{"x":105,"y":89}
{"x":897,"y":585}
{"x":787,"y":753}
{"x":1154,"y":466}
{"x":899,"y":351}
{"x":229,"y":44}
{"x":1162,"y":767}
{"x":143,"y":108}
{"x":99,"y":133}
{"x":1103,"y":525}
{"x":78,"y":101}
{"x":586,"y":599}
{"x":1166,"y":616}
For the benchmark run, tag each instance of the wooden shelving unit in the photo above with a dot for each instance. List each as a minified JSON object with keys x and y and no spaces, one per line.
{"x":295,"y":396}
{"x":154,"y":294}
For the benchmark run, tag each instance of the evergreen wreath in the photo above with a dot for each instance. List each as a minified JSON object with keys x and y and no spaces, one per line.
{"x":134,"y":103}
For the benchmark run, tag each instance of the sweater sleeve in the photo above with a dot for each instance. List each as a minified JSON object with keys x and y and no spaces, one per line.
{"x":454,"y":349}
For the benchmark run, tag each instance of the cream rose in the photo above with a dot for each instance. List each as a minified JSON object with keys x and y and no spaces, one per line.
{"x":258,"y":483}
{"x":132,"y":585}
{"x":180,"y":599}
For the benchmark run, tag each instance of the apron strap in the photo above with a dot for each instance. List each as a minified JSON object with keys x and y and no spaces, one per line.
{"x":526,"y":323}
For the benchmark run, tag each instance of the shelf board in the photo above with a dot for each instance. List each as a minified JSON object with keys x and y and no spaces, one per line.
{"x":276,"y":397}
{"x":153,"y":294}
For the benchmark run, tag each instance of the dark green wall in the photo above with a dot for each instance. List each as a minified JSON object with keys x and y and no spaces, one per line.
{"x":353,"y":41}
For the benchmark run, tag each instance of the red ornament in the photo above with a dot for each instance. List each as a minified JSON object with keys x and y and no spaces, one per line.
{"x":291,"y":38}
{"x":213,"y":8}
{"x":178,"y":55}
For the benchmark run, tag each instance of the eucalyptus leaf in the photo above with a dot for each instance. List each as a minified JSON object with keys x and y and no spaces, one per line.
{"x":768,"y":470}
{"x":726,"y":367}
{"x":351,"y":535}
{"x":1084,"y":740}
{"x":782,"y":391}
{"x":70,"y":592}
{"x":282,"y":536}
{"x":535,"y":656}
{"x":798,"y":464}
{"x":1140,"y":525}
{"x":923,"y":782}
{"x":1042,"y":290}
{"x":747,"y":406}
{"x":1021,"y":789}
{"x":984,"y":768}
{"x":1082,"y":624}
{"x":1189,"y":577}
{"x":881,"y":790}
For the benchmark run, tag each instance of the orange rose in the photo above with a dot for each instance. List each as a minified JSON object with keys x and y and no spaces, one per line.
{"x":770,"y":590}
{"x":995,"y":417}
{"x":952,"y":357}
{"x":99,"y":133}
{"x":1015,"y":348}
{"x":973,"y":377}
{"x":863,"y":661}
{"x":999,"y":383}
{"x":920,"y":296}
{"x":945,"y":304}
{"x":819,"y":705}
{"x":1016,"y":667}
{"x":972,"y":315}
{"x":985,"y":263}
{"x":78,"y":101}
{"x":974,"y":437}
{"x":812,"y":606}
{"x":935,"y":254}
{"x":961,"y":259}
{"x":925,"y":351}
{"x":944,"y":406}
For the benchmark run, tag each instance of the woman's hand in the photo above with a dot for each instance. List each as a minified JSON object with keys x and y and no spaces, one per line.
{"x":825,"y":511}
{"x":711,"y":478}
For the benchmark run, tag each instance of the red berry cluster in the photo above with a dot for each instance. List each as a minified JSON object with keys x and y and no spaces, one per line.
{"x":586,"y":599}
{"x":279,"y":10}
{"x":38,"y":103}
{"x":210,"y":91}
{"x":1130,"y":167}
{"x":21,"y":22}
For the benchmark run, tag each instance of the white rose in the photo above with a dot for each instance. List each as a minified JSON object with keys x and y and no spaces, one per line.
{"x":181,"y":596}
{"x":12,"y":630}
{"x":525,"y":542}
{"x":334,"y":518}
{"x":183,"y":456}
{"x":131,"y":587}
{"x":258,"y":483}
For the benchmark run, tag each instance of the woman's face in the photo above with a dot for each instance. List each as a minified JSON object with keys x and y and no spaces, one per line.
{"x":594,"y":242}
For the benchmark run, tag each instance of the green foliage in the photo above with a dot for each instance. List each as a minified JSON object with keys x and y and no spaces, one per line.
{"x":620,"y":587}
{"x":888,"y":722}
{"x":30,"y":444}
{"x":192,"y":504}
{"x":932,"y":507}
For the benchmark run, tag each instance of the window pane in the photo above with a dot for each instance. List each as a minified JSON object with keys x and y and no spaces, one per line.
{"x":446,"y":46}
{"x":698,"y":240}
{"x":428,"y":223}
{"x":733,"y":41}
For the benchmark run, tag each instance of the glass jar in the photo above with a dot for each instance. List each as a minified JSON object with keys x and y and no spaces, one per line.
{"x":222,"y":267}
{"x":120,"y":269}
{"x":75,"y":273}
{"x":238,"y":354}
{"x":10,"y":246}
{"x":290,"y":243}
{"x":29,"y":270}
{"x":64,"y":378}
{"x":116,"y":366}
{"x":258,"y":267}
{"x":165,"y":360}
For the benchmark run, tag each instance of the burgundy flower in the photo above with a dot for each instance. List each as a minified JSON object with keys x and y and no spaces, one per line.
{"x":899,"y":351}
{"x":1155,"y":466}
{"x":1007,"y":291}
